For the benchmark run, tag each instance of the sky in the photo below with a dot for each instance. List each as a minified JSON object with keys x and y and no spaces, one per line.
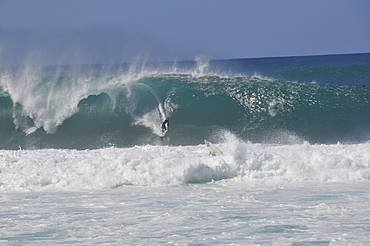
{"x":110,"y":31}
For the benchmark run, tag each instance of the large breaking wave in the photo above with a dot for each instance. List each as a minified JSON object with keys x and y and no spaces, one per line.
{"x":97,"y":106}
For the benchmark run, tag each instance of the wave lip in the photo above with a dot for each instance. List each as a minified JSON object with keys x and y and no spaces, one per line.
{"x":255,"y":108}
{"x":100,"y":108}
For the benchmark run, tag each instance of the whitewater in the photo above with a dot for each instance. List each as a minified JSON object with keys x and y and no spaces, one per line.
{"x":82,"y":163}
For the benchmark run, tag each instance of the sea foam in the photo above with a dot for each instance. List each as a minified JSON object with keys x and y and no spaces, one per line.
{"x":54,"y":170}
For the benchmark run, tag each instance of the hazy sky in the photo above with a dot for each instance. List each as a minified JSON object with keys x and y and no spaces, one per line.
{"x":91,"y":31}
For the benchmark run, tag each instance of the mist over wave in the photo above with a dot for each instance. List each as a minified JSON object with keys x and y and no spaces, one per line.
{"x":270,"y":129}
{"x":101,"y":106}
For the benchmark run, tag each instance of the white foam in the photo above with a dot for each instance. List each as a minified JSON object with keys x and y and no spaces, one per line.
{"x":30,"y":130}
{"x":42,"y":170}
{"x":151,"y":120}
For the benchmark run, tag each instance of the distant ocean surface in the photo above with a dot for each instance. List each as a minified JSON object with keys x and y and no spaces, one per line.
{"x":81,"y":160}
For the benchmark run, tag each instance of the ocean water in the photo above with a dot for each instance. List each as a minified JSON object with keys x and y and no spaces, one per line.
{"x":82,"y":163}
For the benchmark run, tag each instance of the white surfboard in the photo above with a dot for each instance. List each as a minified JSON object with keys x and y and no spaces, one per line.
{"x":213,"y":150}
{"x":163,"y":133}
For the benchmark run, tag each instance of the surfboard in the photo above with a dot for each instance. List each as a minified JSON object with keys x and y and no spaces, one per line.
{"x":163,"y":133}
{"x":213,"y":150}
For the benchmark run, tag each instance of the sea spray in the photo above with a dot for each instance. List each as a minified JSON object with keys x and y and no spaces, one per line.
{"x":202,"y":64}
{"x":73,"y":170}
{"x":297,"y":177}
{"x":123,"y":105}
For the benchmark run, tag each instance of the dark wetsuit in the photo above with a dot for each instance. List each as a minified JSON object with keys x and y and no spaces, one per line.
{"x":166,"y":121}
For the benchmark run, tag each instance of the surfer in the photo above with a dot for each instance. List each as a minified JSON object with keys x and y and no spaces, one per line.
{"x":165,"y":125}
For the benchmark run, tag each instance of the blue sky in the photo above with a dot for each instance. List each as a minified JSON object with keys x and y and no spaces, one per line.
{"x":95,"y":31}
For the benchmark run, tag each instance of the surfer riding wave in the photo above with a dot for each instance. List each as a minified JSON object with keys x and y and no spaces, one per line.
{"x":165,"y":125}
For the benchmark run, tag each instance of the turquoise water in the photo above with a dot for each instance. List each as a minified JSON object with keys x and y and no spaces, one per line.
{"x":82,"y":163}
{"x":320,"y":99}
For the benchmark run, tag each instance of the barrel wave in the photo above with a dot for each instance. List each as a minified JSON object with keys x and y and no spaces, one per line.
{"x":80,"y":152}
{"x":276,"y":101}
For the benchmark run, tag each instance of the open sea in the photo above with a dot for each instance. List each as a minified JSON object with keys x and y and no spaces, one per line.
{"x":82,"y":163}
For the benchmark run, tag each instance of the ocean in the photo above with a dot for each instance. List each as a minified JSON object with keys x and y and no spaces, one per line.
{"x":82,"y":161}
